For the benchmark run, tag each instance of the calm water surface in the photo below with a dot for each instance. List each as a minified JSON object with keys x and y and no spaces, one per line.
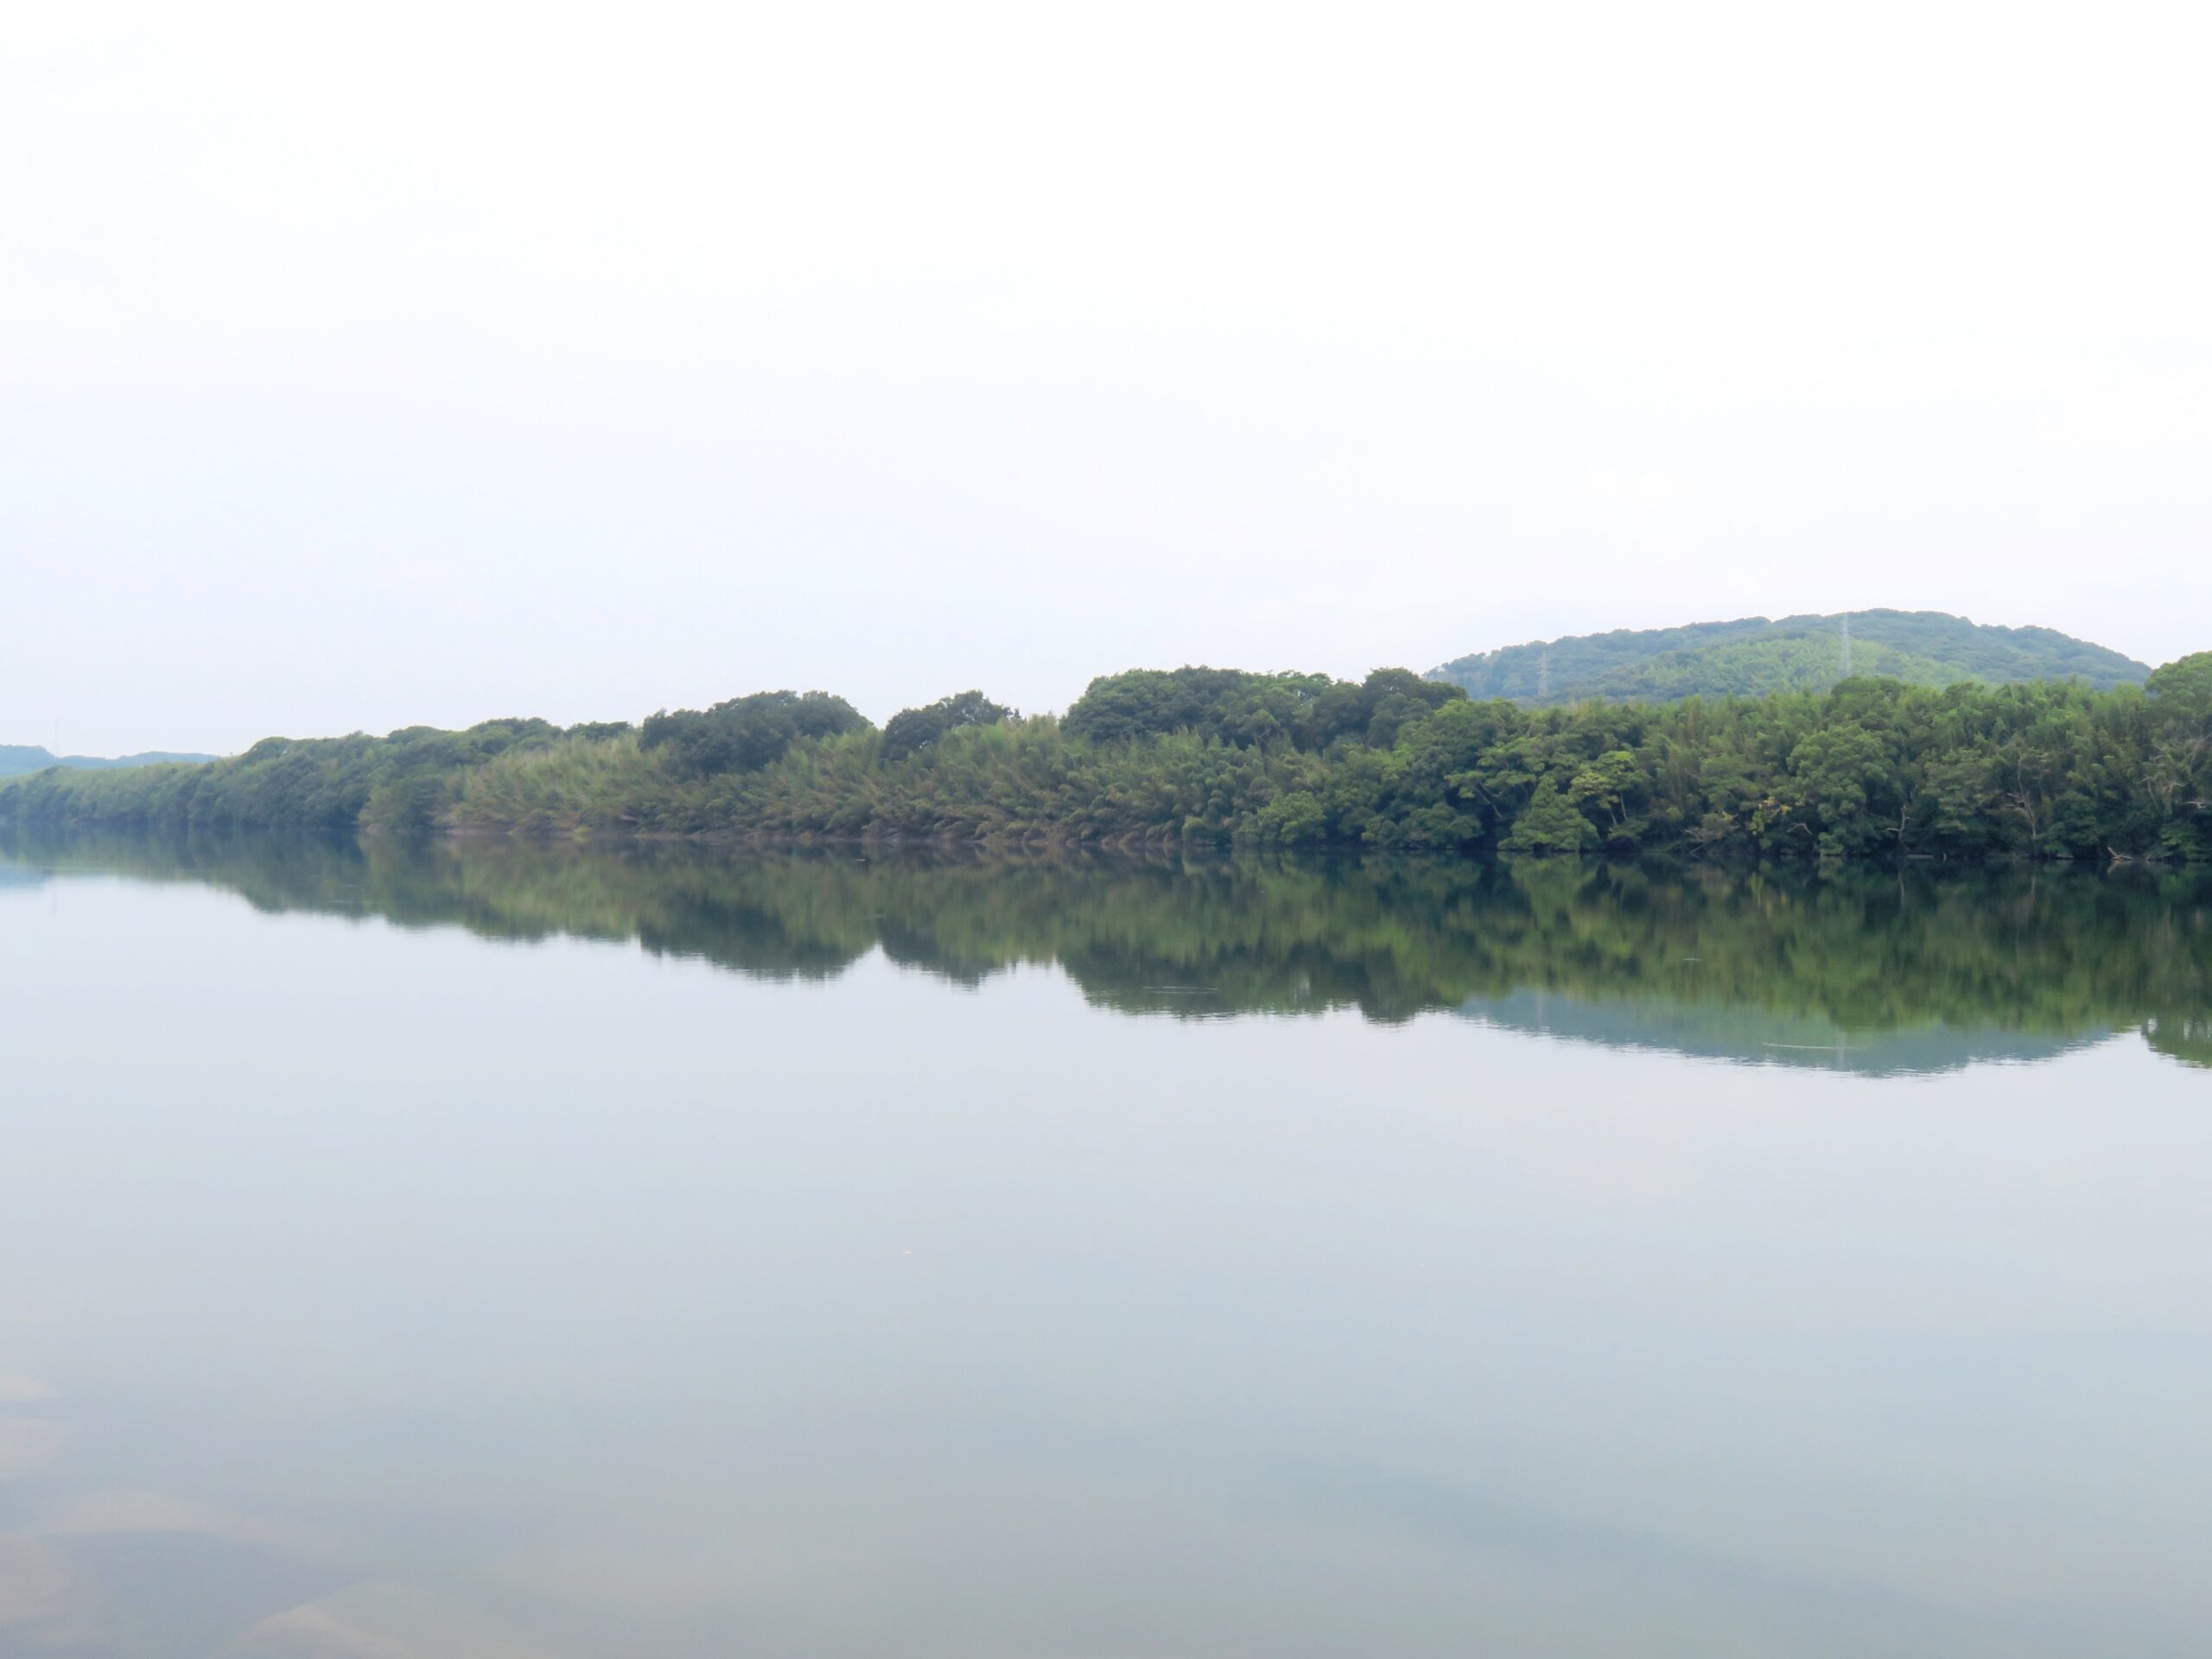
{"x":502,"y":1253}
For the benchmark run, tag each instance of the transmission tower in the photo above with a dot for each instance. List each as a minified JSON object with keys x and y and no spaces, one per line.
{"x":1544,"y":672}
{"x":1847,"y":647}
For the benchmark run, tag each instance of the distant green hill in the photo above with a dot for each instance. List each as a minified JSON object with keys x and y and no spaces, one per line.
{"x":1752,"y":657}
{"x":18,"y":759}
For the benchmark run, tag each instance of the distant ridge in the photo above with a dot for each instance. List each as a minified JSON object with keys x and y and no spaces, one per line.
{"x":18,"y":759}
{"x":1754,"y":656}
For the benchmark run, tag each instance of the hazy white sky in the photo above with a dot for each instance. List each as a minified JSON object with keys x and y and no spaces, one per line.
{"x":367,"y":365}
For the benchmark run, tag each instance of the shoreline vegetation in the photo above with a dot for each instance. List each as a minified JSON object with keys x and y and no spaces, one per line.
{"x":1217,"y":757}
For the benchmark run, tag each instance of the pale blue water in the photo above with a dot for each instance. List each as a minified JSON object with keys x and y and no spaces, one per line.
{"x":388,"y":1290}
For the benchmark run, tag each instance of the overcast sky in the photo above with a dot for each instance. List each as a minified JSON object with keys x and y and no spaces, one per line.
{"x":373,"y":365}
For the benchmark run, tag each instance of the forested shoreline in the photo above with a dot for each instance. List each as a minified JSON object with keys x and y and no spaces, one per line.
{"x":1874,"y":767}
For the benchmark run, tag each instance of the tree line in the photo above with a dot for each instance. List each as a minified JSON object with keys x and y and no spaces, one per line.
{"x":1873,"y":768}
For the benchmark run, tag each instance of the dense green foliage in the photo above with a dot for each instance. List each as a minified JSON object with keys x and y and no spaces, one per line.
{"x":1227,"y":705}
{"x":2041,"y":769}
{"x":1754,"y":656}
{"x":746,"y":734}
{"x":404,"y":781}
{"x":912,"y":730}
{"x":1722,"y":960}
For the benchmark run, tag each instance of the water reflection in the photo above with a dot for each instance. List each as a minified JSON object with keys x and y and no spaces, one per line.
{"x":993,"y":1258}
{"x":1868,"y":970}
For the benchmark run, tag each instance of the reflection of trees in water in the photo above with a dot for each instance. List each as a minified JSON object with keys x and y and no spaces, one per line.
{"x":2185,"y":1036}
{"x":2037,"y":951}
{"x":1748,"y":1032}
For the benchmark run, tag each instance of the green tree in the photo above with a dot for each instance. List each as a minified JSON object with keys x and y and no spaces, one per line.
{"x":912,"y":730}
{"x":1550,"y":824}
{"x":746,"y":734}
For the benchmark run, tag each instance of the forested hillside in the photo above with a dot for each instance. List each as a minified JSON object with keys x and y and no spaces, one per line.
{"x":18,"y":759}
{"x":2051,"y":769}
{"x":1754,"y":656}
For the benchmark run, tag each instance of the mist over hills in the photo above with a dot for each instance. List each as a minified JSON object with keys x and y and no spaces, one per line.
{"x":18,"y":758}
{"x":1755,"y":655}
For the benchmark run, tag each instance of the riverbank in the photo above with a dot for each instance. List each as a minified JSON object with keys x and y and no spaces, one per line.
{"x":1873,"y":769}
